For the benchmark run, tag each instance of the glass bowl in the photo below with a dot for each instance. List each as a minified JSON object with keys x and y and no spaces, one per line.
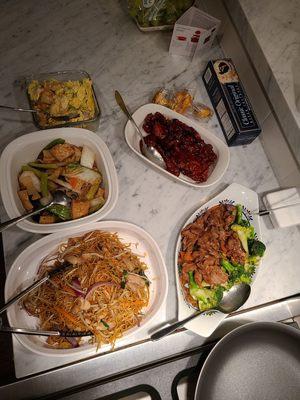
{"x":64,"y":76}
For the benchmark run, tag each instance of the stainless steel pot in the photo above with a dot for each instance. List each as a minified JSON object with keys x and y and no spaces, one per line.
{"x":257,"y":361}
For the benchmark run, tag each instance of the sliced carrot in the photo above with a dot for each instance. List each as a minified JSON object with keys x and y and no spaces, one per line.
{"x":68,"y":316}
{"x":73,"y":181}
{"x":188,"y":256}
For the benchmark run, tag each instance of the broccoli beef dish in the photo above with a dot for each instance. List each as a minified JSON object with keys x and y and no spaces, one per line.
{"x":218,"y":250}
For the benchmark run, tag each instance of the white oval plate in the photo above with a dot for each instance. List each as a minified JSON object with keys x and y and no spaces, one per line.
{"x":25,"y":267}
{"x":26,"y":148}
{"x":220,"y":148}
{"x":205,"y":325}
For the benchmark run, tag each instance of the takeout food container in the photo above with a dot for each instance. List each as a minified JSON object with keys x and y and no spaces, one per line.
{"x":219,"y":147}
{"x":63,"y":76}
{"x":26,"y":148}
{"x":24,"y":270}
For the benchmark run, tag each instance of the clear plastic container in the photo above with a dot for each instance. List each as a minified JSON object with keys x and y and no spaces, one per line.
{"x":25,"y":149}
{"x":63,"y":76}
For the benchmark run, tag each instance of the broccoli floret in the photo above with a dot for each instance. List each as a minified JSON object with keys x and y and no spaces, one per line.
{"x":234,"y":270}
{"x":207,"y":298}
{"x":253,"y":260}
{"x":245,"y":278}
{"x":250,"y":268}
{"x":229,"y":268}
{"x":244,"y":234}
{"x":257,"y":248}
{"x":239,"y":216}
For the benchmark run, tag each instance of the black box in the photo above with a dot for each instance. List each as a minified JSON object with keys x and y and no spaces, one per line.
{"x":231,"y":104}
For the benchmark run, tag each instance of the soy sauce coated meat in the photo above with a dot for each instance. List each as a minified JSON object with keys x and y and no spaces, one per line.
{"x":181,"y":147}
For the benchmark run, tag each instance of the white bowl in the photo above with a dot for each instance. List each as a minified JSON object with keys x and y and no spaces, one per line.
{"x":25,"y":267}
{"x":220,"y":148}
{"x":26,"y":148}
{"x":235,"y":193}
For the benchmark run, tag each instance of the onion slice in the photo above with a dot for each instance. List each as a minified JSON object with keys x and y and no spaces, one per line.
{"x":72,"y":341}
{"x":77,"y":287}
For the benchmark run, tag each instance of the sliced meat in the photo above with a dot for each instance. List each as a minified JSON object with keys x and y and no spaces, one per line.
{"x":234,"y":249}
{"x":205,"y":242}
{"x":214,"y":275}
{"x":62,"y":151}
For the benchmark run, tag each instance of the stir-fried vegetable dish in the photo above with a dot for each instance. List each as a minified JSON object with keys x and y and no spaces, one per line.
{"x":53,"y":98}
{"x":218,"y":250}
{"x":65,"y":167}
{"x":103,"y":289}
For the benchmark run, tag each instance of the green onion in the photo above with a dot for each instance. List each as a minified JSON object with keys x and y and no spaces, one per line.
{"x":43,"y":166}
{"x":44,"y":185}
{"x":54,"y":143}
{"x":104,"y":323}
{"x":60,"y":211}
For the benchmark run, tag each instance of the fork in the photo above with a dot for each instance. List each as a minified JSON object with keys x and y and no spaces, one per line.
{"x":23,"y":331}
{"x":59,"y":117}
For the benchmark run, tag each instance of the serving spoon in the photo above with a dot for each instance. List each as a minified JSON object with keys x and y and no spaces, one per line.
{"x":59,"y":197}
{"x":232,"y":299}
{"x":148,"y":151}
{"x":58,"y":117}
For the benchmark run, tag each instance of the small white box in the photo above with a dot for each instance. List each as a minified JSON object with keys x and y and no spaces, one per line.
{"x":193,"y":31}
{"x":286,"y":216}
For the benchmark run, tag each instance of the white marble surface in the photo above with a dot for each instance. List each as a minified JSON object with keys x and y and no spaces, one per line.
{"x":99,"y":37}
{"x":270,"y":31}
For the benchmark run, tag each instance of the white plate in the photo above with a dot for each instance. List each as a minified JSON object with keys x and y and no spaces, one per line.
{"x":219,"y":147}
{"x":24,"y":270}
{"x":238,"y":194}
{"x":26,"y":148}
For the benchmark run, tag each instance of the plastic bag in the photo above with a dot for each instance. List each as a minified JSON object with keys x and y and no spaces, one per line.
{"x":182,"y":102}
{"x":157,"y":13}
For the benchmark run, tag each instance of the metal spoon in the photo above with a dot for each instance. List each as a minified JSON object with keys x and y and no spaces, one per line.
{"x":231,"y":301}
{"x":148,"y":151}
{"x":58,"y":117}
{"x":59,"y":197}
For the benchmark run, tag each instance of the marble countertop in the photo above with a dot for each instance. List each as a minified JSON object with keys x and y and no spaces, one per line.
{"x":270,"y":31}
{"x":99,"y":37}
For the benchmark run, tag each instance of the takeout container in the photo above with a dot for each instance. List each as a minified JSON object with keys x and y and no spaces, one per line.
{"x":63,"y":76}
{"x":26,"y":148}
{"x":24,"y":270}
{"x":220,"y":148}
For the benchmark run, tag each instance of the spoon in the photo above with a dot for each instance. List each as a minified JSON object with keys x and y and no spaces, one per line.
{"x":58,"y":117}
{"x":148,"y":151}
{"x":232,"y":299}
{"x":59,"y":197}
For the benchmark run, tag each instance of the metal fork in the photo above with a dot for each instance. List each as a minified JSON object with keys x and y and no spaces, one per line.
{"x":35,"y":285}
{"x":58,"y":117}
{"x":23,"y":331}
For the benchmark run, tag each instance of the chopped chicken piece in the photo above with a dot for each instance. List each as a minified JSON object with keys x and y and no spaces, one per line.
{"x":23,"y":195}
{"x":80,"y":208}
{"x":62,"y":151}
